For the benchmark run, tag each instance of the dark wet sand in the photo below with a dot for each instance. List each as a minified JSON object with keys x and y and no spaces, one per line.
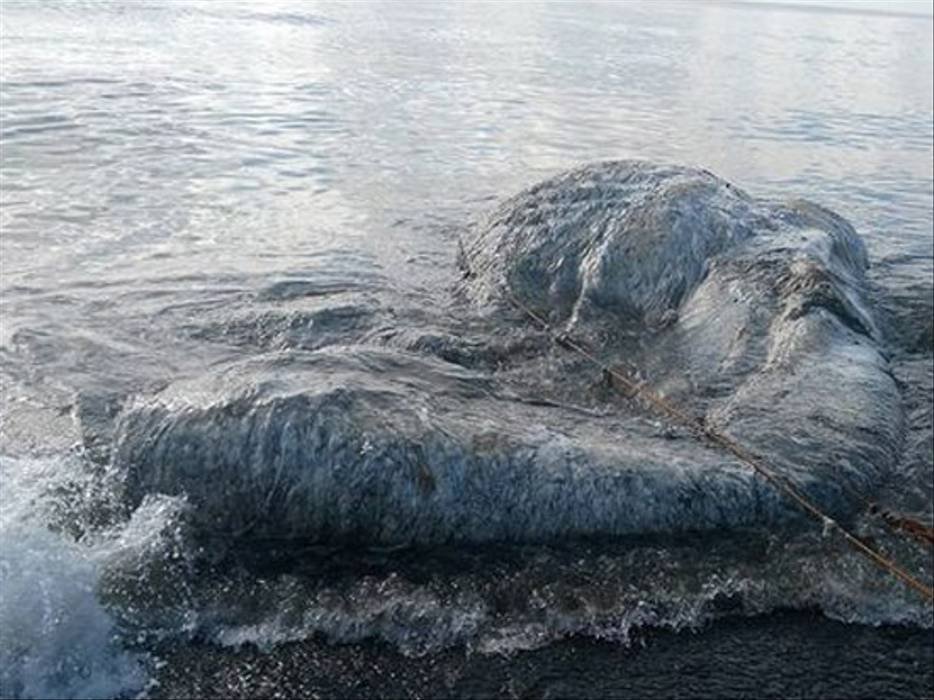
{"x":787,"y":655}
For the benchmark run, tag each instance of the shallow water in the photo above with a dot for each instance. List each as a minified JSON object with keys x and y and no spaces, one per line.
{"x":186,"y":186}
{"x":787,"y":655}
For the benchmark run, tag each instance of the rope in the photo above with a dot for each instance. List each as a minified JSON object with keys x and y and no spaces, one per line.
{"x":704,"y":431}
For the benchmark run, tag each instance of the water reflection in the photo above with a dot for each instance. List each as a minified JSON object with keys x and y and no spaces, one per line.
{"x":198,"y":135}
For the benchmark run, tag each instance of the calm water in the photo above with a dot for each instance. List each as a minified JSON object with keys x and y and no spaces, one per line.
{"x":149,"y":140}
{"x":163,"y":162}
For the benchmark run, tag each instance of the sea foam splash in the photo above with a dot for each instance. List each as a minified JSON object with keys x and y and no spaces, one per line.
{"x":57,"y":639}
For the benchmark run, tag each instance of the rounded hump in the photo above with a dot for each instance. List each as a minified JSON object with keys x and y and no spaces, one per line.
{"x":626,"y":239}
{"x":767,"y":335}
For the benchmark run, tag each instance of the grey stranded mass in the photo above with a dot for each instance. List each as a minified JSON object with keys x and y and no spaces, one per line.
{"x":753,"y":314}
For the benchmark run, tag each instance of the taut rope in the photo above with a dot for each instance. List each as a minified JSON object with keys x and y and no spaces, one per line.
{"x":704,"y":431}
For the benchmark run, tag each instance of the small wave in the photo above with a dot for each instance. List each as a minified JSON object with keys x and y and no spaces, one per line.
{"x":293,"y":18}
{"x":56,"y":637}
{"x":508,"y":600}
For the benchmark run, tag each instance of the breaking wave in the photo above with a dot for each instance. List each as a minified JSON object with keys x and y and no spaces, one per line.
{"x":56,"y":637}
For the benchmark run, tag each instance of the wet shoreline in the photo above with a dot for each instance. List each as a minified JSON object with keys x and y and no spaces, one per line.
{"x":787,"y":654}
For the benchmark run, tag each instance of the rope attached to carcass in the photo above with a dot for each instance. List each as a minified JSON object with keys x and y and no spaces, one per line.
{"x":631,"y":387}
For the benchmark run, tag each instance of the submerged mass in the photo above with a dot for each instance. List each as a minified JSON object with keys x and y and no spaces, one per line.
{"x":753,"y":315}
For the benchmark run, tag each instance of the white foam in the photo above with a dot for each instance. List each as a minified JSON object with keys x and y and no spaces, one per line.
{"x":56,"y":638}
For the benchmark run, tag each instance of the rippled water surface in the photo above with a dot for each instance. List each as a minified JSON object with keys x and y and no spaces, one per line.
{"x":143,"y":141}
{"x":187,"y":184}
